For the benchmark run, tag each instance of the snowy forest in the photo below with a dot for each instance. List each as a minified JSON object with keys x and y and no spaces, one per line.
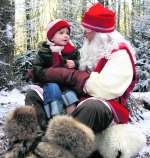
{"x":23,"y":24}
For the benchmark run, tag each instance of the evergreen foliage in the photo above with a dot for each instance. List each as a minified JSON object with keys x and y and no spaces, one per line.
{"x":141,"y":42}
{"x":6,"y":76}
{"x":21,"y":65}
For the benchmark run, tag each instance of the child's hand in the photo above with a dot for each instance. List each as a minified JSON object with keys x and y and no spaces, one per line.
{"x":70,"y":64}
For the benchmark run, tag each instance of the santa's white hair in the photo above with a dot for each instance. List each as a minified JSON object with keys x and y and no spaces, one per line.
{"x":101,"y":46}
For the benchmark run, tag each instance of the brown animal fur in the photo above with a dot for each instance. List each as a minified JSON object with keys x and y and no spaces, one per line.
{"x":22,"y":129}
{"x":66,"y":134}
{"x":65,"y":137}
{"x":22,"y":124}
{"x":48,"y":150}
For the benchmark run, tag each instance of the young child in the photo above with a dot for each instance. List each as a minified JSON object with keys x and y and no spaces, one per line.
{"x":57,"y":51}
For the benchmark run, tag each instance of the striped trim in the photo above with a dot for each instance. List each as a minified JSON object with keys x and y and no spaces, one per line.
{"x":38,"y":90}
{"x":111,"y":108}
{"x":105,"y":103}
{"x":114,"y":112}
{"x":98,"y":28}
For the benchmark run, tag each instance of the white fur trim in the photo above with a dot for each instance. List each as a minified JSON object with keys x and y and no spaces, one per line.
{"x":116,"y":76}
{"x":125,"y":138}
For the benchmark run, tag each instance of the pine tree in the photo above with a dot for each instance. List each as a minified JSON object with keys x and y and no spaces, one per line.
{"x":141,"y":41}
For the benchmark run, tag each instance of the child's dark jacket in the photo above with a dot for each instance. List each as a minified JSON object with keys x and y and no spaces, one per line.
{"x":46,"y":59}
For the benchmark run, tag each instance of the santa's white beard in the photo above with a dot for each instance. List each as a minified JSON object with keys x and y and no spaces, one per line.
{"x":100,"y":47}
{"x":93,"y":51}
{"x":88,"y":55}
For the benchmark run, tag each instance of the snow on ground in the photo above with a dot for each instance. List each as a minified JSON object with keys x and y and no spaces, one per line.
{"x":8,"y":101}
{"x":142,"y":96}
{"x":11,"y":99}
{"x":144,"y":126}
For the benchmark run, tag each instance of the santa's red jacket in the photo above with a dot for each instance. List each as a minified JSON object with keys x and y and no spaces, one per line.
{"x":112,"y":81}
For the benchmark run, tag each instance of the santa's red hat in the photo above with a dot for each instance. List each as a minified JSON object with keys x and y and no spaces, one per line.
{"x":99,"y":18}
{"x":56,"y":25}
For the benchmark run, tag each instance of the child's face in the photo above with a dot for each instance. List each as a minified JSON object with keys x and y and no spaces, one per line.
{"x":61,"y":37}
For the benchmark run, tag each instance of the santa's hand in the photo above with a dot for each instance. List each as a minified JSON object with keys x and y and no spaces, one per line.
{"x":57,"y":49}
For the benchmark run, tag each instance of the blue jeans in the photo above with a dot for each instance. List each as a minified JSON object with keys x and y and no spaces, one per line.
{"x":52,"y":92}
{"x":53,"y":103}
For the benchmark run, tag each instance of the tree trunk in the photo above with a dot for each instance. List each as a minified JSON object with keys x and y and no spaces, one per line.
{"x":118,"y":18}
{"x":7,"y":13}
{"x":28,"y":23}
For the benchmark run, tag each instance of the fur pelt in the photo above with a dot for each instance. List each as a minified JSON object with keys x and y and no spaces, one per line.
{"x":22,"y":130}
{"x":14,"y":152}
{"x":22,"y":124}
{"x":124,"y":140}
{"x":48,"y":150}
{"x":66,"y":138}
